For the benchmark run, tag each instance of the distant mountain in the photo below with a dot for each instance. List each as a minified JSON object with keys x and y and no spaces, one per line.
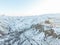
{"x":30,"y":30}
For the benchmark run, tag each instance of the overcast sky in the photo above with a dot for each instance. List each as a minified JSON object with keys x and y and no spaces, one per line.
{"x":29,"y":7}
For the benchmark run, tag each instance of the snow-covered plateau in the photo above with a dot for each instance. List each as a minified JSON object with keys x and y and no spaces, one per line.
{"x":30,"y":30}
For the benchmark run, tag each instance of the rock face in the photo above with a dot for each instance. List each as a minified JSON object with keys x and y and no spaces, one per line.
{"x":33,"y":30}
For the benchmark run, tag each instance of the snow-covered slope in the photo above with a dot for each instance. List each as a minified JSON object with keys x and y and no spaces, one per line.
{"x":18,"y":30}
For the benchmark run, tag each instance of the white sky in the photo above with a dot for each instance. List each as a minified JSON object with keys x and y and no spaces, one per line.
{"x":38,"y":8}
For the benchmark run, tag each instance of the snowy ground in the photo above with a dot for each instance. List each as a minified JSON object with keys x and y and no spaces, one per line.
{"x":18,"y":31}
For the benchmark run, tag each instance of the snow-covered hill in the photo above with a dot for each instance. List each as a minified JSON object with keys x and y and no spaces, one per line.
{"x":24,"y":31}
